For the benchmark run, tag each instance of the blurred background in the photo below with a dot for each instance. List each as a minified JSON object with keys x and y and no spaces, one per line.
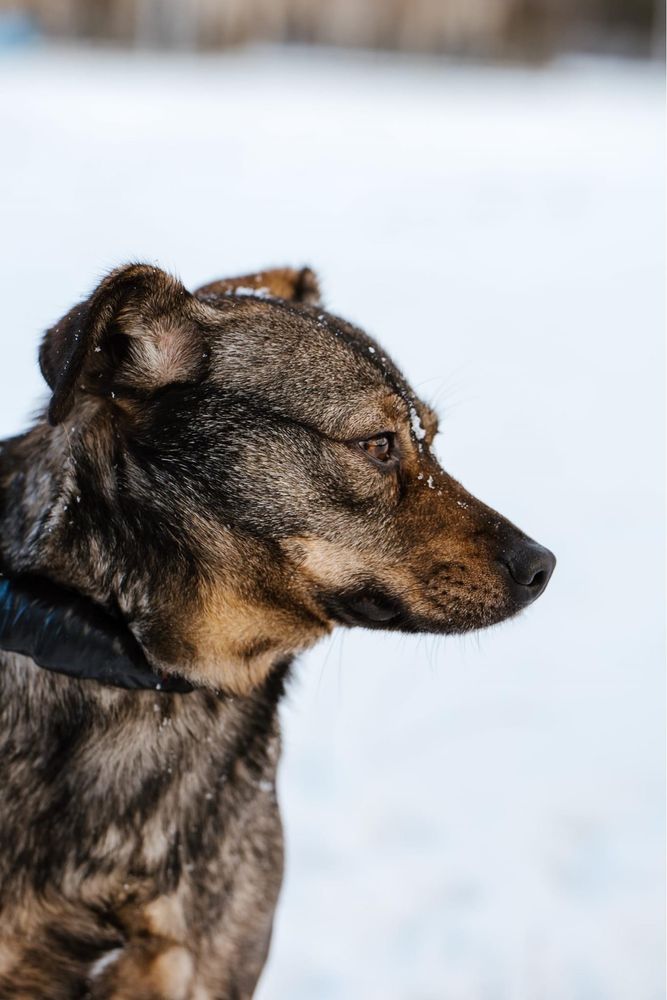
{"x":479,"y":184}
{"x":527,"y":29}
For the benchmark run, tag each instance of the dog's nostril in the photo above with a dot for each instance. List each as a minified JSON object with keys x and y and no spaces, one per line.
{"x":530,"y":567}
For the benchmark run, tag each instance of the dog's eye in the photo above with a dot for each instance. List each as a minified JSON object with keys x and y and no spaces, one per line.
{"x":380,"y":449}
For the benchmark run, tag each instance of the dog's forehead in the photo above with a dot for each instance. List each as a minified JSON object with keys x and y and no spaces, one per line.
{"x":309,"y":365}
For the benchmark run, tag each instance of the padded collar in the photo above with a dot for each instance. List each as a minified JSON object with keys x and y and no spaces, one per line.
{"x":67,"y":633}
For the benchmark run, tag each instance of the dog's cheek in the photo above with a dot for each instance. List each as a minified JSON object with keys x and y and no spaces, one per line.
{"x":323,"y":563}
{"x":238,"y":644}
{"x":235,"y":628}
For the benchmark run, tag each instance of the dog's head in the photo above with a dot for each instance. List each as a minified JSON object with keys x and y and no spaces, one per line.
{"x":252,"y":470}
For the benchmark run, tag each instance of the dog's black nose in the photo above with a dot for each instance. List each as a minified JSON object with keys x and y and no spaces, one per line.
{"x":530,"y":567}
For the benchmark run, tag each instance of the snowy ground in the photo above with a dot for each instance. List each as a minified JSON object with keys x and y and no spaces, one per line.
{"x":466,"y":820}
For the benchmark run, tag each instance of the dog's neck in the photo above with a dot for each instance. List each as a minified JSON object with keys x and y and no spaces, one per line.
{"x":144,"y":727}
{"x":75,"y":509}
{"x":32,"y":486}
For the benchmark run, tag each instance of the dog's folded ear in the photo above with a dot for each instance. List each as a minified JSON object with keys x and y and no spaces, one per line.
{"x":279,"y":283}
{"x":135,"y":333}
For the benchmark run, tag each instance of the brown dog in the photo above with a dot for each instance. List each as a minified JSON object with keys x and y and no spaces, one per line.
{"x":233,"y":473}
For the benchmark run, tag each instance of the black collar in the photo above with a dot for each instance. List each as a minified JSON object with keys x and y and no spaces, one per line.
{"x":65,"y":632}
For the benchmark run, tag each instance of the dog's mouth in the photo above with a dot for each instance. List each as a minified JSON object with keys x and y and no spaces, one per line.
{"x":367,"y":608}
{"x":374,"y":608}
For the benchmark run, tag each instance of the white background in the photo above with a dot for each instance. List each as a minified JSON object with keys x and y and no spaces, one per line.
{"x":476,"y":819}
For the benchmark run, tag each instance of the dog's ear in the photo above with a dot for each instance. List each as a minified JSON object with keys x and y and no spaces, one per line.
{"x":279,"y":283}
{"x":135,"y":333}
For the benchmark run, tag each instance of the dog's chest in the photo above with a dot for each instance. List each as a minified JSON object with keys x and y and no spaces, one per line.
{"x":157,"y":830}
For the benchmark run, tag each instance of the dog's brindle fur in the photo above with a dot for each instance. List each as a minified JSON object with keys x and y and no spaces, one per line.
{"x":200,"y":474}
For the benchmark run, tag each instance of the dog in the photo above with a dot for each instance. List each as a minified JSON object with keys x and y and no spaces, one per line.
{"x":231,"y":473}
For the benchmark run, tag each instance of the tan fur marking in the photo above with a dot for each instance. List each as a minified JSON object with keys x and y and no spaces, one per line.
{"x":8,"y":957}
{"x":325,"y":562}
{"x":153,"y":972}
{"x":280,"y":283}
{"x":172,"y":972}
{"x":229,"y":632}
{"x":156,"y":839}
{"x":165,"y":918}
{"x":200,"y":992}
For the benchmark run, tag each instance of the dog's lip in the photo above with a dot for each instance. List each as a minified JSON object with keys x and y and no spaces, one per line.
{"x":368,"y":609}
{"x":372,"y":609}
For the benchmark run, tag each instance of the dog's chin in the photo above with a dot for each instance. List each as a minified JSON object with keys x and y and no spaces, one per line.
{"x":376,"y":609}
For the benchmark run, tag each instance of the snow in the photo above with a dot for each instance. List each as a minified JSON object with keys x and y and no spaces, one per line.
{"x":417,"y":428}
{"x":100,"y":965}
{"x":258,"y":293}
{"x":473,"y":819}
